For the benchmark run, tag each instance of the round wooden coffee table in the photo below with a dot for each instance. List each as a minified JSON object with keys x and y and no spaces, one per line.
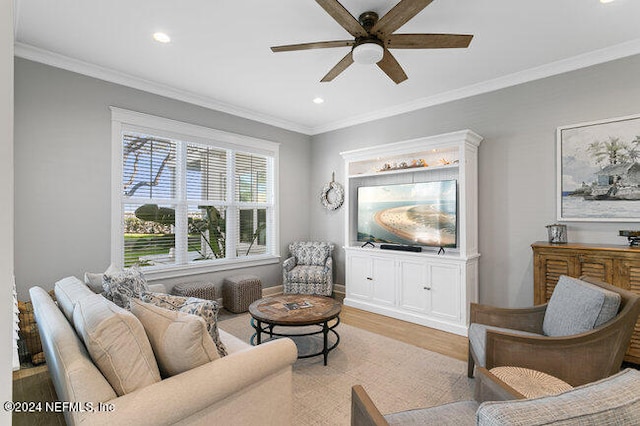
{"x":296,"y":310}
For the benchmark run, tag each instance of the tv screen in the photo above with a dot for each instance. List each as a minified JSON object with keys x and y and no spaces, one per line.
{"x":411,"y":214}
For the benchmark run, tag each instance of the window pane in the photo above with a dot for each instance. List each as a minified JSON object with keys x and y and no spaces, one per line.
{"x":148,"y":167}
{"x":246,"y":226}
{"x":251,"y":178}
{"x":207,"y":233}
{"x":206,"y":173}
{"x":149,"y":237}
{"x":252,"y":233}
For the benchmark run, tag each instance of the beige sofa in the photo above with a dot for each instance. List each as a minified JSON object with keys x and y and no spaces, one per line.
{"x":251,"y":385}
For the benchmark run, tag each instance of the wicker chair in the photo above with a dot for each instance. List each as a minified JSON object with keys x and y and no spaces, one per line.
{"x":522,"y":337}
{"x":309,"y":270}
{"x":610,"y":401}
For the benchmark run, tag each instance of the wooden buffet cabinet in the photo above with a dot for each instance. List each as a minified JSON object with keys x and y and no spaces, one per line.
{"x":615,"y":264}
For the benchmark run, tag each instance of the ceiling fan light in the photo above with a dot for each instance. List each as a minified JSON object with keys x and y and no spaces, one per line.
{"x":367,"y":53}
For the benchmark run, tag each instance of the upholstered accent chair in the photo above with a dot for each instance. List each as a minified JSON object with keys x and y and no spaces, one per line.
{"x":613,"y":400}
{"x":579,"y":336}
{"x":309,"y":269}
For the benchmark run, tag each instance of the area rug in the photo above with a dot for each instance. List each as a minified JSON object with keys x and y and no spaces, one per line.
{"x":398,"y":376}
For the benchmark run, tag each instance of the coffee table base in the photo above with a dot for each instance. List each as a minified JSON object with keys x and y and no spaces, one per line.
{"x":264,"y":327}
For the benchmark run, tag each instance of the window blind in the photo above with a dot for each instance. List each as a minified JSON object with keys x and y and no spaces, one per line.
{"x":179,"y":199}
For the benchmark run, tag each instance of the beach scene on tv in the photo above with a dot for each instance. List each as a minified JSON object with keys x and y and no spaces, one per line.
{"x":411,"y":214}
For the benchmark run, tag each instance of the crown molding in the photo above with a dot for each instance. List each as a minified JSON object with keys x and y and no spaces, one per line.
{"x":585,"y":60}
{"x":36,"y":54}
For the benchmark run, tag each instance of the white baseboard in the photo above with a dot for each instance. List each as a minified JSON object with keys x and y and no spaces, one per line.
{"x":272,"y":291}
{"x":338,"y":289}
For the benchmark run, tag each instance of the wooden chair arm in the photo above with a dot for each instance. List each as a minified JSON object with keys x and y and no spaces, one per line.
{"x":523,"y":319}
{"x":491,"y":388}
{"x":363,"y":411}
{"x":577,"y":359}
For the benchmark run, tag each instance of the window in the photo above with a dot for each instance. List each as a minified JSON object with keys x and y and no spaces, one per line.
{"x":188,"y":197}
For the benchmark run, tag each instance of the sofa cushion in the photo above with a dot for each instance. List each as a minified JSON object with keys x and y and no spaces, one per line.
{"x":231,"y":343}
{"x":307,"y":274}
{"x":180,"y":341}
{"x":117,"y":344}
{"x":206,"y":309}
{"x":478,"y":339}
{"x":611,"y":401}
{"x":577,"y":306}
{"x":68,"y":291}
{"x":121,"y":286}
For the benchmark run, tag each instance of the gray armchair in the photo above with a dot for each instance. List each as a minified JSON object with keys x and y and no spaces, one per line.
{"x":309,"y":270}
{"x":580,"y":336}
{"x":611,"y":401}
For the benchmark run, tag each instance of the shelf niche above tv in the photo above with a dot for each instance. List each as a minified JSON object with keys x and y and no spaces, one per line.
{"x":432,"y":287}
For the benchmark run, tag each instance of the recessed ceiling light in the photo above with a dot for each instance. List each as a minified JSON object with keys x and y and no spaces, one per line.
{"x":161,"y":37}
{"x":318,"y":100}
{"x":606,"y":1}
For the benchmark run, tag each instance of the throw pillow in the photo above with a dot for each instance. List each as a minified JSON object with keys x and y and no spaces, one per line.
{"x":117,"y":344}
{"x":206,"y":309}
{"x":121,"y":286}
{"x":180,"y":341}
{"x":94,"y":279}
{"x":577,"y":306}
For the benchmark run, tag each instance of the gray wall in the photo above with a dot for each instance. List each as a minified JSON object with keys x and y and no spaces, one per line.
{"x":6,"y":199}
{"x":517,"y":174}
{"x":62,"y":168}
{"x":63,"y":171}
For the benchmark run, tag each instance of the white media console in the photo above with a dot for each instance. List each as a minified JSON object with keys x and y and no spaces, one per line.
{"x":431,"y":287}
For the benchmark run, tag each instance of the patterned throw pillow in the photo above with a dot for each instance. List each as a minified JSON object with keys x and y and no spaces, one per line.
{"x":121,"y":286}
{"x":167,"y":301}
{"x":205,"y":309}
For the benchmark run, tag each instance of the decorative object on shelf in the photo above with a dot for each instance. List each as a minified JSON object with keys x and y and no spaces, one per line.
{"x":557,"y":233}
{"x":598,"y":173}
{"x":410,"y":164}
{"x":444,"y":161}
{"x":332,"y":195}
{"x":632,"y":236}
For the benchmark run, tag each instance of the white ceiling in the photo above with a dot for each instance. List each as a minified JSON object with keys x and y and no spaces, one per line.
{"x":219,"y":56}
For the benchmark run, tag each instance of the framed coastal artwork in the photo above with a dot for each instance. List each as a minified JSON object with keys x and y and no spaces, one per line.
{"x":598,"y":166}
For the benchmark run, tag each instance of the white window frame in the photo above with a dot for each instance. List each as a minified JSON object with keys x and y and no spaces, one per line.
{"x":123,"y":121}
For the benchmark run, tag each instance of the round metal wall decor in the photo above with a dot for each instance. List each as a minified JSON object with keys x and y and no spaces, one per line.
{"x":332,"y":195}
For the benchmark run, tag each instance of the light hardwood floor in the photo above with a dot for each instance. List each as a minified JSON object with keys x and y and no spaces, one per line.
{"x":34,"y":385}
{"x":424,"y":337}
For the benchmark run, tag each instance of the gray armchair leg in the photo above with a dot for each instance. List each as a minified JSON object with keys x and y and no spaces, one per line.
{"x":470,"y":364}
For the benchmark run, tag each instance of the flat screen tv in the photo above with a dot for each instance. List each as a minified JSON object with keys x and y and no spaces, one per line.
{"x":423,"y":213}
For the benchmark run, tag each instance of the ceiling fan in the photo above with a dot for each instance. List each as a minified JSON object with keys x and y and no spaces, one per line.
{"x":374,"y":37}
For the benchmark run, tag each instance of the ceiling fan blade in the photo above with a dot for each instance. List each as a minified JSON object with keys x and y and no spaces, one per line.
{"x":392,"y":68}
{"x":315,"y":45}
{"x":340,"y":66}
{"x":427,"y":41}
{"x":343,"y":17}
{"x":399,"y":15}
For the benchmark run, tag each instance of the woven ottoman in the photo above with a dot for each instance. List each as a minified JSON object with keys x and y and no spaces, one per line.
{"x":239,"y":291}
{"x":201,"y":290}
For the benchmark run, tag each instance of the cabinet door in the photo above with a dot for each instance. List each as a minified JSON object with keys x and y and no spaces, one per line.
{"x":413,"y":285}
{"x":627,"y":276}
{"x":444,"y":281}
{"x":595,"y":266}
{"x":549,"y":268}
{"x":383,"y":284}
{"x":359,"y":277}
